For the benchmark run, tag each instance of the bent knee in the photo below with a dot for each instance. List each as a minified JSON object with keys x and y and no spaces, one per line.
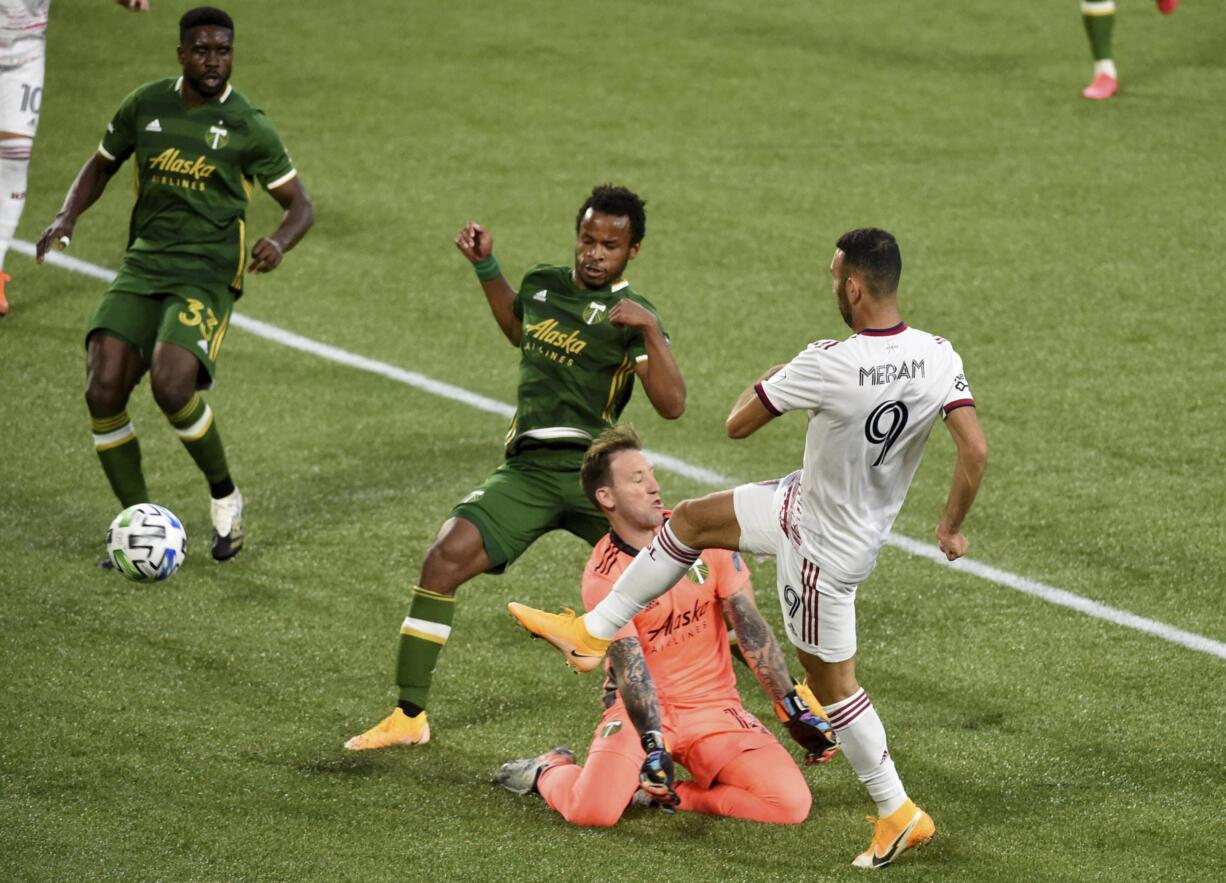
{"x":794,"y":803}
{"x":592,"y":816}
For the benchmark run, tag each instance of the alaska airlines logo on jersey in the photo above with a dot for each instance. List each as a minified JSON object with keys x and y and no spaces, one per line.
{"x":217,"y":137}
{"x":879,"y":375}
{"x":594,"y":313}
{"x":171,"y":160}
{"x":679,"y":621}
{"x":548,"y":332}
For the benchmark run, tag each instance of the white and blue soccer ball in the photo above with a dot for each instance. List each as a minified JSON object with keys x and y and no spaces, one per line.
{"x":146,"y":542}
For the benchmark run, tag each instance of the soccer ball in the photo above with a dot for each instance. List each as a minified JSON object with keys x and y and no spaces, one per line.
{"x":146,"y":542}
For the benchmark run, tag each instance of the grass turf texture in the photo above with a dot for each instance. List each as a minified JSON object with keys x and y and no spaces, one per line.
{"x":193,"y":729}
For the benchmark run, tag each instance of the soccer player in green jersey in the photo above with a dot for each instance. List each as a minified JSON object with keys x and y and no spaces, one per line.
{"x":198,"y":146}
{"x":583,"y":336}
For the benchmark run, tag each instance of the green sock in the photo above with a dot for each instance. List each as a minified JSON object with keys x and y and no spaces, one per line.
{"x":422,"y":636}
{"x":119,"y":450}
{"x":196,"y":429}
{"x":1099,"y":19}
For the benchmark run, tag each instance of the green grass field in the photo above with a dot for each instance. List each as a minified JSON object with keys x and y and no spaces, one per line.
{"x":1070,"y":249}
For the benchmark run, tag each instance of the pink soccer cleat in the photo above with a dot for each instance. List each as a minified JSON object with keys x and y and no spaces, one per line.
{"x":1166,"y":7}
{"x":1103,"y":87}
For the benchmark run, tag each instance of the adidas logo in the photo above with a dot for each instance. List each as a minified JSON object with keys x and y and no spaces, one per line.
{"x":155,"y":126}
{"x":540,"y":295}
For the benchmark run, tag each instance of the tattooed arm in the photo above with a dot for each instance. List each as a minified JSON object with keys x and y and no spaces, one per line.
{"x":758,"y":644}
{"x":634,"y":684}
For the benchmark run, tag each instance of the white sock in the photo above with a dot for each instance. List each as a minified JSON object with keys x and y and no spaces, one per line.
{"x":1105,"y":66}
{"x":863,"y":739}
{"x":653,"y":572}
{"x":14,"y":168}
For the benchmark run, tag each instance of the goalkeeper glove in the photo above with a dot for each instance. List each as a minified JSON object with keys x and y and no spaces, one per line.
{"x":810,"y":731}
{"x":656,"y":773}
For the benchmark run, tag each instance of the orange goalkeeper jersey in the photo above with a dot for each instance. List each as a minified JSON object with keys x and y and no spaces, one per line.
{"x":684,"y":638}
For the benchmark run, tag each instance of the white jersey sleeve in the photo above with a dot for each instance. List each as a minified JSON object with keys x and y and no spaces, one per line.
{"x":798,"y":384}
{"x":959,"y":394}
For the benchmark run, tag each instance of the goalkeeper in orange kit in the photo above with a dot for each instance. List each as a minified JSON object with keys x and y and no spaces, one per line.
{"x":670,"y":692}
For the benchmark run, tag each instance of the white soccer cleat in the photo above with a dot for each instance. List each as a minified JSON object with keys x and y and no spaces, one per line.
{"x":227,"y":526}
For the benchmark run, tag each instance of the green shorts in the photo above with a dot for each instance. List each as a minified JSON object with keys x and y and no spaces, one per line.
{"x":533,"y":492}
{"x":195,"y":319}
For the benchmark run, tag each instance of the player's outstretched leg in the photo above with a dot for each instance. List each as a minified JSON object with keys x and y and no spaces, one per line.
{"x":582,"y":640}
{"x":1098,"y":16}
{"x":457,"y":555}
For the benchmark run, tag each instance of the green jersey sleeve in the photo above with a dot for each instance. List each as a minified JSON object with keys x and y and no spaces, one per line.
{"x":266,"y":159}
{"x":120,"y":138}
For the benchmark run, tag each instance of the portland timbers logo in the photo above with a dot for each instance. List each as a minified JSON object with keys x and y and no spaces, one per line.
{"x":699,"y":572}
{"x":610,"y":728}
{"x":594,"y":313}
{"x":217,"y":137}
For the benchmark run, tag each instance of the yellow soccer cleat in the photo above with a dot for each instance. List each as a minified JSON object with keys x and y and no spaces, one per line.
{"x":395,"y":729}
{"x":566,"y":632}
{"x":906,"y":828}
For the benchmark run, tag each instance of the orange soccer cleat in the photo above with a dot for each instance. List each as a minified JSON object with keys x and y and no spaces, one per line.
{"x":906,"y":828}
{"x":566,"y":632}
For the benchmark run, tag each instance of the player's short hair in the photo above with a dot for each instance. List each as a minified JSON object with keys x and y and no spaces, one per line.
{"x":620,"y":202}
{"x":874,"y":254}
{"x":597,"y":471}
{"x":203,"y":16}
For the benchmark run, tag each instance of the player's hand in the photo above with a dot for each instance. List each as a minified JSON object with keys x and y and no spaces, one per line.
{"x":811,"y":732}
{"x":656,"y":773}
{"x":266,"y":256}
{"x":58,"y":234}
{"x":952,"y":543}
{"x":134,"y":5}
{"x":474,"y":242}
{"x":632,"y":315}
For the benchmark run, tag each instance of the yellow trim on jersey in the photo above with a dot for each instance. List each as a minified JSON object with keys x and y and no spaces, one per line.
{"x":215,"y":347}
{"x":620,"y":377}
{"x":237,"y":281}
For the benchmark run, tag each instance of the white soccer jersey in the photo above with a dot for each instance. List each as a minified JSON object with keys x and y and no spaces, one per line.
{"x":23,"y":27}
{"x":872,"y":400}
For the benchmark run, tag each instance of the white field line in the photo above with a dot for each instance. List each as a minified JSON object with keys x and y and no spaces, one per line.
{"x":677,"y":466}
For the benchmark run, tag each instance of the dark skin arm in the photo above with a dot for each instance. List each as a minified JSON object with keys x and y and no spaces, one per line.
{"x":89,"y":184}
{"x":267,"y":253}
{"x":476,"y":244}
{"x":634,"y":683}
{"x":659,"y":374}
{"x":758,"y":644}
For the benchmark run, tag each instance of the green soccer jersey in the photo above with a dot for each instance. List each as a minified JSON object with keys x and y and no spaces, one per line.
{"x":576,"y":368}
{"x":194,"y":172}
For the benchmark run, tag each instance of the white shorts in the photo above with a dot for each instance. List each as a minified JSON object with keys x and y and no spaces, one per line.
{"x":819,"y":612}
{"x":21,"y":92}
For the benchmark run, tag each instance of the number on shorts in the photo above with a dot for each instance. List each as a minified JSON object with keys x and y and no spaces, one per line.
{"x":884,"y":426}
{"x":792,"y":599}
{"x":31,"y":99}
